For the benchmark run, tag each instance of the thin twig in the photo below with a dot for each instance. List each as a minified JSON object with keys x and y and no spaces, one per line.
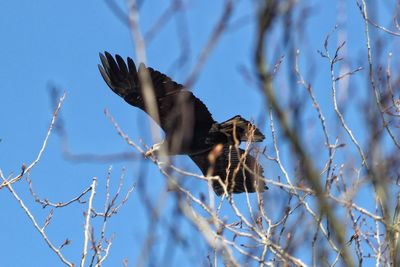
{"x":33,"y":220}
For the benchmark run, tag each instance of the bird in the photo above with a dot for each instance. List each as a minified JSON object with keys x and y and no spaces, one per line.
{"x":189,"y":126}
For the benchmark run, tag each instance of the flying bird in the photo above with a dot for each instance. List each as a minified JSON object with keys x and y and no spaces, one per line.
{"x":188,"y":125}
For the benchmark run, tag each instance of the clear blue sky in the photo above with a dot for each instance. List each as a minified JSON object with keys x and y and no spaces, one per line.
{"x":57,"y":42}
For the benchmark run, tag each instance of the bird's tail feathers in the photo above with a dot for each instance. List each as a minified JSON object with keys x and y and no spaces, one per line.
{"x":242,"y":129}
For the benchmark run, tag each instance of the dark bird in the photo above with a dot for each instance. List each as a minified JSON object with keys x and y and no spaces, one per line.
{"x":188,"y":125}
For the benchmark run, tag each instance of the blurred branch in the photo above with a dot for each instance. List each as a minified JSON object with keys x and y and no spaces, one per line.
{"x":174,"y":7}
{"x":117,"y":11}
{"x":212,"y":41}
{"x":379,"y":183}
{"x":268,"y":11}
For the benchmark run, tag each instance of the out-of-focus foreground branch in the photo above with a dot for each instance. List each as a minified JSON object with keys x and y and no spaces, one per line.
{"x":267,"y":12}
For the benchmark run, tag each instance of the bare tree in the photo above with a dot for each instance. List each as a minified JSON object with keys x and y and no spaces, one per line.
{"x":332,"y":154}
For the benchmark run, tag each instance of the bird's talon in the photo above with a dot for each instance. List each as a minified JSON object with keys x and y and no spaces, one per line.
{"x":148,"y":153}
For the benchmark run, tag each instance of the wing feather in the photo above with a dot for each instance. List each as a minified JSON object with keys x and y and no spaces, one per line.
{"x":174,"y":102}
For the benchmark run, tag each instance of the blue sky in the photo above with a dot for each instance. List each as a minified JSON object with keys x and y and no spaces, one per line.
{"x":57,"y":43}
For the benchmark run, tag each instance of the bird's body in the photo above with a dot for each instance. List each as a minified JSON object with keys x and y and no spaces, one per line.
{"x":188,"y":125}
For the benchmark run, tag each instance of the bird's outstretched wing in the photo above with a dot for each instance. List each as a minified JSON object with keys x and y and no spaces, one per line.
{"x":179,"y":111}
{"x":239,"y":175}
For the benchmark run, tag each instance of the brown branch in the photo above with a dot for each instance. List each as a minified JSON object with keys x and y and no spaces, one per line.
{"x":266,"y":15}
